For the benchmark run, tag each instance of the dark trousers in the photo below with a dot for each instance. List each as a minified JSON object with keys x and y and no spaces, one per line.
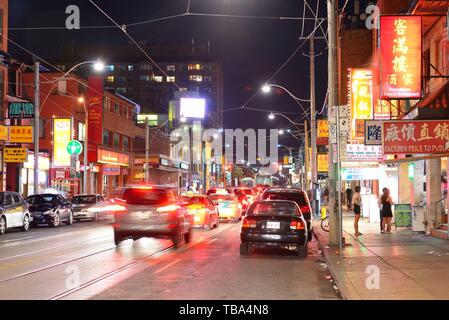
{"x":380,"y":214}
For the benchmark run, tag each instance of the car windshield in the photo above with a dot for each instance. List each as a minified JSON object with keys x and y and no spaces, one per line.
{"x":39,"y":199}
{"x":281,"y":208}
{"x":145,"y":196}
{"x":222,"y":197}
{"x":193,"y":200}
{"x":298,"y":197}
{"x":84,"y":200}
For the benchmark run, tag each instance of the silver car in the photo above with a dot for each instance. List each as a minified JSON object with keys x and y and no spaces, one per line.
{"x":89,"y":206}
{"x":154,"y":212}
{"x":13,"y":212}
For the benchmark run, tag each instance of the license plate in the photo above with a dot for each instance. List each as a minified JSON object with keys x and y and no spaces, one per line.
{"x":273,"y":225}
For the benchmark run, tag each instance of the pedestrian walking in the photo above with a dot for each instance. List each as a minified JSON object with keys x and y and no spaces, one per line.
{"x":357,"y":203}
{"x":387,"y":212}
{"x":379,"y":203}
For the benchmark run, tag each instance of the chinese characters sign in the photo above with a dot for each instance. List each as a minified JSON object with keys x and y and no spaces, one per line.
{"x":410,"y":137}
{"x":15,"y":155}
{"x":21,"y":134}
{"x":360,"y":152}
{"x":62,"y":129}
{"x":400,"y":51}
{"x":361,"y":101}
{"x":323,"y":164}
{"x":20,"y":110}
{"x":322,"y":132}
{"x":373,"y":132}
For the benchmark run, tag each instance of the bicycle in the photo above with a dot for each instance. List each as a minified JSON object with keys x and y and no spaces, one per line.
{"x":325,"y":219}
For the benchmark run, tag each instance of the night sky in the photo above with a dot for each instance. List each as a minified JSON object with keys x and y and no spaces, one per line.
{"x":251,"y":49}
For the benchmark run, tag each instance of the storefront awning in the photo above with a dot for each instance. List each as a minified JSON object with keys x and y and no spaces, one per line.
{"x":14,"y":99}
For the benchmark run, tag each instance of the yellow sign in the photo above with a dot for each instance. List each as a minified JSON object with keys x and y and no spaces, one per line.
{"x":4,"y":133}
{"x":15,"y":155}
{"x":61,"y":137}
{"x":361,"y":100}
{"x":286,"y":160}
{"x":323,"y":129}
{"x":21,"y":134}
{"x":323,"y":165}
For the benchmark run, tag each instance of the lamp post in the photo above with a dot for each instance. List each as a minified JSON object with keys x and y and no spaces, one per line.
{"x":83,"y":101}
{"x":98,"y":66}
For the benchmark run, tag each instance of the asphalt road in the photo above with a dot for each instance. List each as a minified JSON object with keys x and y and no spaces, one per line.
{"x":82,"y":262}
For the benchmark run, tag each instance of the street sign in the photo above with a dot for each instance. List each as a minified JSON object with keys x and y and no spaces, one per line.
{"x":332,"y":133}
{"x":15,"y":154}
{"x":21,"y":134}
{"x":74,"y":147}
{"x":344,"y":127}
{"x":373,"y":132}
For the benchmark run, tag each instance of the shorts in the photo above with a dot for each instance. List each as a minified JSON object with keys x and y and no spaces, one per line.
{"x":357,"y":209}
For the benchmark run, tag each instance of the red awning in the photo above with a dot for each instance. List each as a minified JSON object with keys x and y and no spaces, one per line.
{"x":438,"y":98}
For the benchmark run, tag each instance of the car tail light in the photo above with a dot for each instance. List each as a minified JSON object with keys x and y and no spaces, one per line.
{"x":249,"y":223}
{"x":305,"y":209}
{"x":297,"y":225}
{"x":169,"y":208}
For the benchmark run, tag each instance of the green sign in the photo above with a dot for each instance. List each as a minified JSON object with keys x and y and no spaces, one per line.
{"x":20,"y":110}
{"x":411,"y":170}
{"x":74,"y":147}
{"x":403,"y":215}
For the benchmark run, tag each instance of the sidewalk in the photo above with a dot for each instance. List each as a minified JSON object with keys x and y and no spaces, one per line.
{"x":411,"y":265}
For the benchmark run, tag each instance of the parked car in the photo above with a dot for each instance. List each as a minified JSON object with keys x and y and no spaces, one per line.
{"x":50,"y":209}
{"x":14,"y":212}
{"x":204,"y":211}
{"x":296,"y":195}
{"x":90,"y":206}
{"x":152,"y":211}
{"x":229,"y":207}
{"x":275,"y":223}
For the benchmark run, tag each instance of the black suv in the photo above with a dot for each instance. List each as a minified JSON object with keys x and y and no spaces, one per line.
{"x":296,"y":195}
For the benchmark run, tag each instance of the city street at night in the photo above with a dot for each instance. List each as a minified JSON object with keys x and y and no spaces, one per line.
{"x":42,"y":263}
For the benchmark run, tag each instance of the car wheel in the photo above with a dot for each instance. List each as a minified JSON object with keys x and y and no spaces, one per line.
{"x":217,"y":223}
{"x":70,"y":218}
{"x":176,"y":240}
{"x":95,"y":218}
{"x":244,"y":248}
{"x":2,"y":225}
{"x":26,"y":223}
{"x":188,"y":236}
{"x":301,"y":251}
{"x":56,"y":220}
{"x":209,"y":224}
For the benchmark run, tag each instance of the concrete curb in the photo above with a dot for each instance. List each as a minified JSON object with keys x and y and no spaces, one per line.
{"x":330,"y":266}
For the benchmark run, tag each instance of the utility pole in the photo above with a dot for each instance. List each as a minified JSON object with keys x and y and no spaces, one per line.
{"x":36,"y":126}
{"x":335,"y":232}
{"x":313,"y":127}
{"x":147,"y":150}
{"x":307,"y":158}
{"x":86,"y":146}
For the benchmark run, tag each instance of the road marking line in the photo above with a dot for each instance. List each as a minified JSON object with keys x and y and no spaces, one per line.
{"x":233,"y":229}
{"x":18,"y":239}
{"x":167,"y":266}
{"x":209,"y":242}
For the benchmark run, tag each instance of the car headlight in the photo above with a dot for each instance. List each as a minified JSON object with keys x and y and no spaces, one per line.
{"x":49,"y":212}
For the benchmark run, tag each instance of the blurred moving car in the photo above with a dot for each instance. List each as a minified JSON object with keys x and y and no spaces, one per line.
{"x":296,"y":195}
{"x":277,"y":224}
{"x":251,"y":196}
{"x":217,"y":190}
{"x":50,"y":209}
{"x":229,"y":207}
{"x":152,"y":211}
{"x":13,"y":212}
{"x":90,"y":206}
{"x":204,"y":211}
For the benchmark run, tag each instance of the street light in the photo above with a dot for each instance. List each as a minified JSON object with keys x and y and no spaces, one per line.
{"x":281,"y":132}
{"x":271,"y":116}
{"x":98,"y":66}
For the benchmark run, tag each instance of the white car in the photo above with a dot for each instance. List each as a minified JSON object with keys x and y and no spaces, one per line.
{"x":13,"y":212}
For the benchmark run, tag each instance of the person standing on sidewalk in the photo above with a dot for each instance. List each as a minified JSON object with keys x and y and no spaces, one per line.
{"x":379,"y":203}
{"x":357,"y":203}
{"x":387,"y":213}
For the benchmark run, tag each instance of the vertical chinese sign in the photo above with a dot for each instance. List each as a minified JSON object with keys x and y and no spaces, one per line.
{"x":95,"y":116}
{"x":412,"y":137}
{"x":400,"y":51}
{"x":322,"y":132}
{"x":62,"y":134}
{"x":361,"y":100}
